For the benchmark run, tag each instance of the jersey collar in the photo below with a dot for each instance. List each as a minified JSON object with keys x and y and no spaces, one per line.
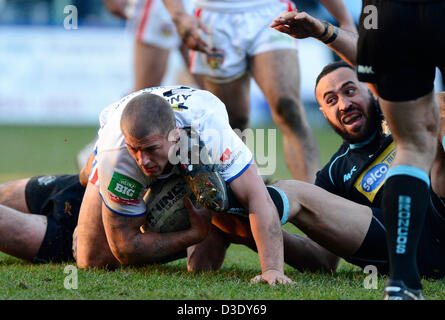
{"x":364,"y":143}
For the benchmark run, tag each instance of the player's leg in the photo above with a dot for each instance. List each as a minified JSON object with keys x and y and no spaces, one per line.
{"x":45,"y":235}
{"x":12,"y":195}
{"x":277,"y":74}
{"x":414,"y":127}
{"x":149,"y":63}
{"x":404,"y":76}
{"x":92,"y":245}
{"x":235,"y":95}
{"x":209,"y":254}
{"x":304,"y":254}
{"x":335,"y":223}
{"x":300,"y":252}
{"x":198,"y":79}
{"x":21,"y":234}
{"x":438,"y":167}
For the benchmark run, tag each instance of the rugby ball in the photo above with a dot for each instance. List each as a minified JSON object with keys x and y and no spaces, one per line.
{"x":166,"y":211}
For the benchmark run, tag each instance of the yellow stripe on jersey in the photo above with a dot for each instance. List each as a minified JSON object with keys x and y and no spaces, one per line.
{"x":373,"y":177}
{"x":178,"y":107}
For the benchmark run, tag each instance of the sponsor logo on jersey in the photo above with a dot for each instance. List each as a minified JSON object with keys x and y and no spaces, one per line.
{"x":365,"y":69}
{"x":226,"y":155}
{"x":215,"y":59}
{"x":124,"y":190}
{"x":179,"y":107}
{"x":373,"y":178}
{"x":224,"y":167}
{"x":348,"y":176}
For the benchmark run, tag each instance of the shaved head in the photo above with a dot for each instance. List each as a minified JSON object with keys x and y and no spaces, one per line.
{"x":147,"y":114}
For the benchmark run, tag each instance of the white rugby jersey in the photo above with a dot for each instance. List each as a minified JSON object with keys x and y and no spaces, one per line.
{"x":122,"y":183}
{"x":232,"y":5}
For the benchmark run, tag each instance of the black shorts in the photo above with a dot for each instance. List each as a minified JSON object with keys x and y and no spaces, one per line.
{"x":431,"y":250}
{"x":59,"y":199}
{"x":402,"y":54}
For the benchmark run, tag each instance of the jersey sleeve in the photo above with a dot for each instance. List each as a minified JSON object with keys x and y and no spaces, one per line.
{"x":121,"y":184}
{"x":226,"y":148}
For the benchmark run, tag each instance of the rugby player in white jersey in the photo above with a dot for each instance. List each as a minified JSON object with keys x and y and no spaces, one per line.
{"x":155,"y":37}
{"x":233,"y":41}
{"x":137,"y":138}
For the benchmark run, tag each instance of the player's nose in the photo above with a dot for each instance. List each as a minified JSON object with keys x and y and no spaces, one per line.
{"x":344,"y":104}
{"x":144,"y":159}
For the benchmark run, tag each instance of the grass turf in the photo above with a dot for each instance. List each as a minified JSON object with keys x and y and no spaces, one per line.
{"x":29,"y":151}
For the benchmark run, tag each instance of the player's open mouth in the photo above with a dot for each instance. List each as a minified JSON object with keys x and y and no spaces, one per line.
{"x":352,"y":118}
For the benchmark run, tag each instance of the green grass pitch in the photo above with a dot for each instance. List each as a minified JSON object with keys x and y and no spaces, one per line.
{"x":27,"y":151}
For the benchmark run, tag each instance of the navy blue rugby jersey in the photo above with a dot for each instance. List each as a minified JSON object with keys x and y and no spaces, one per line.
{"x":358,"y":171}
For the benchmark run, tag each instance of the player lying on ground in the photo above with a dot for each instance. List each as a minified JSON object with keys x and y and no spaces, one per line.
{"x":341,"y":212}
{"x":136,"y":140}
{"x":415,"y":129}
{"x":38,"y":216}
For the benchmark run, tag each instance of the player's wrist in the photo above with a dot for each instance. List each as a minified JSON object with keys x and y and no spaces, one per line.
{"x":325,"y":30}
{"x":329,"y":34}
{"x":178,"y":16}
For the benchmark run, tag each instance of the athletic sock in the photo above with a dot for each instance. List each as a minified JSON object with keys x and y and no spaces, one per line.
{"x":404,"y":204}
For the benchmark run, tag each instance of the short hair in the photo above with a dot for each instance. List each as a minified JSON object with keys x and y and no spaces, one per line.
{"x":146,"y":114}
{"x":332,"y":67}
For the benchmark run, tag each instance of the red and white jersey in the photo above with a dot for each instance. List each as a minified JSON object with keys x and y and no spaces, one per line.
{"x":122,"y":183}
{"x":231,"y":5}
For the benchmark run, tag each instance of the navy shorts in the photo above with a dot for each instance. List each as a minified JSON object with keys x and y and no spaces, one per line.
{"x":431,"y":250}
{"x":401,"y":55}
{"x":59,"y":199}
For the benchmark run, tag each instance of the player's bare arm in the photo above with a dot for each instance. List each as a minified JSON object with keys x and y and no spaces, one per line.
{"x":338,"y":10}
{"x":85,"y":171}
{"x":188,"y":26}
{"x":130,"y":246}
{"x":265,"y":225}
{"x":302,"y":25}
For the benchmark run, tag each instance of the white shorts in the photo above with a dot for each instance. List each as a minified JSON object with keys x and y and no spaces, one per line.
{"x":154,"y":26}
{"x":235,"y":36}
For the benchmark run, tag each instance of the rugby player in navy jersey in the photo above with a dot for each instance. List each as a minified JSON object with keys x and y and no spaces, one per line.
{"x":398,"y":54}
{"x":342,"y":212}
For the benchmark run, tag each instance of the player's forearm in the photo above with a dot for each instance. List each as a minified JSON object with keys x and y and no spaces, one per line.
{"x":338,"y":10}
{"x":175,"y":8}
{"x":266,"y":230}
{"x":153,"y":247}
{"x":130,"y":246}
{"x":345,"y":45}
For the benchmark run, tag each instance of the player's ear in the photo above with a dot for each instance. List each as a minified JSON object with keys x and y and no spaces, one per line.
{"x":174,"y":134}
{"x":323,"y":111}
